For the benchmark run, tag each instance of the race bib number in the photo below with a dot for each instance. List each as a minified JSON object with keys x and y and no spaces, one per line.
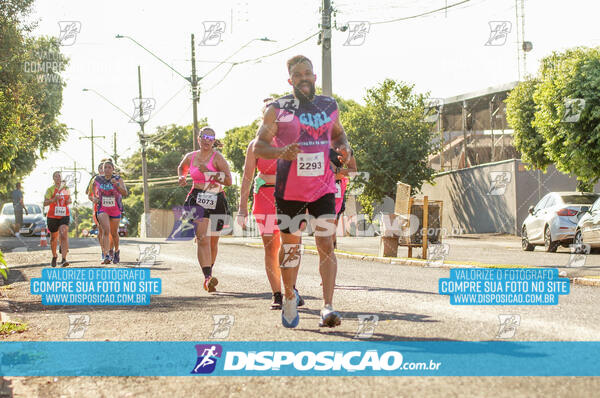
{"x":207,"y":200}
{"x":60,"y":211}
{"x":338,"y":193}
{"x":108,"y":201}
{"x":311,"y":164}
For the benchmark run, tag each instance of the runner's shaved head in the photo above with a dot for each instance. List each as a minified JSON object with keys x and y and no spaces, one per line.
{"x":297,"y":60}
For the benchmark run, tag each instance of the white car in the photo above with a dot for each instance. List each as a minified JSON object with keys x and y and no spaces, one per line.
{"x":553,"y":221}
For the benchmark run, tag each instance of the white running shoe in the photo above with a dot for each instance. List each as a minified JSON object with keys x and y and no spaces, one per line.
{"x":329,"y":317}
{"x":289,"y":313}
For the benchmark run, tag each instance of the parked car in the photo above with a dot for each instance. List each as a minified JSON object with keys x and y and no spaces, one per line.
{"x":588,"y":229}
{"x":33,"y":223}
{"x":123,"y":225}
{"x":553,"y":221}
{"x":93,"y":231}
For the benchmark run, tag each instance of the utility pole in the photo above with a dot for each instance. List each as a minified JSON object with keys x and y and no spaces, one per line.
{"x":464,"y":128}
{"x":75,"y":204}
{"x":326,"y":48}
{"x":92,"y":137}
{"x":195,"y":93}
{"x":144,"y":165}
{"x":115,"y":156}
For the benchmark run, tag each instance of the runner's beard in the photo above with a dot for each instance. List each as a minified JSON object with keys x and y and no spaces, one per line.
{"x":298,"y":93}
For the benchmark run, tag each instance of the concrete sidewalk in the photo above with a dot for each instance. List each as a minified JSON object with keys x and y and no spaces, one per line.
{"x":487,"y":250}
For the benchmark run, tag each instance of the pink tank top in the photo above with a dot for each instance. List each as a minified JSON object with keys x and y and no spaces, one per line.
{"x":267,"y":166}
{"x":197,"y":175}
{"x":309,"y":176}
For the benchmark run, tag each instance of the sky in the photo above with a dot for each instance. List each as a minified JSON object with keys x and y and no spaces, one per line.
{"x":443,"y":54}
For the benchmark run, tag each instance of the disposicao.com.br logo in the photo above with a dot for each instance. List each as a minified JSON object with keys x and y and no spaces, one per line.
{"x":306,"y":362}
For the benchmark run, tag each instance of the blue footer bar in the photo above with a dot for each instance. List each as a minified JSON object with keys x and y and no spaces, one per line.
{"x":269,"y":358}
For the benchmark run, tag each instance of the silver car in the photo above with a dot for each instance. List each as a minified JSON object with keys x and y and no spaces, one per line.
{"x":33,"y":222}
{"x":587,"y":235}
{"x":553,"y":221}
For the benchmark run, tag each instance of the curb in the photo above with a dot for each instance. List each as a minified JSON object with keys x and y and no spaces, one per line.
{"x":578,"y":280}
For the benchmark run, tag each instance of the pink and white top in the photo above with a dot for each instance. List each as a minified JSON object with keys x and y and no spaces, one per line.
{"x":309,"y":176}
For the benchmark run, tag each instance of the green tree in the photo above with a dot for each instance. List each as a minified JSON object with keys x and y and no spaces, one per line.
{"x":236,"y":142}
{"x":390,"y":140}
{"x":520,"y":113}
{"x":30,"y":94}
{"x":573,"y":146}
{"x":164,"y":153}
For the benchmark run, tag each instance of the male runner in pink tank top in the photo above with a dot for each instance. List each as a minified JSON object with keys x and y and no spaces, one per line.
{"x":304,"y":126}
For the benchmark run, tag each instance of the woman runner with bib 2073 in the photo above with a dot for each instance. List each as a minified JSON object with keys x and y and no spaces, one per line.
{"x":210,"y":172}
{"x":109,"y":189}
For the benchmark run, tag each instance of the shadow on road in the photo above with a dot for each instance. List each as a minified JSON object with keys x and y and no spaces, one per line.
{"x":380,"y":289}
{"x":255,"y":296}
{"x":5,"y":388}
{"x":166,"y":304}
{"x":383,"y":315}
{"x":375,"y":337}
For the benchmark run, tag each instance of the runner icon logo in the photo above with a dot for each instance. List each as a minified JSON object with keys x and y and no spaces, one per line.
{"x":148,"y":255}
{"x":222,"y":326}
{"x":437,"y":253}
{"x":357,"y":33}
{"x":287,"y":109}
{"x":499,"y":182}
{"x":142,"y":108}
{"x":212,"y":33}
{"x":579,"y":252}
{"x":366,"y":326}
{"x":207,"y":358}
{"x":184,"y":227}
{"x":499,"y":31}
{"x":573,"y":109}
{"x":77,"y":326}
{"x":68,"y":32}
{"x":508,"y":326}
{"x":291,"y":255}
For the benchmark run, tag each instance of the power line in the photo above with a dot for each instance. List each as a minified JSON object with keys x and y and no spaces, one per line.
{"x":279,"y":51}
{"x":421,"y":14}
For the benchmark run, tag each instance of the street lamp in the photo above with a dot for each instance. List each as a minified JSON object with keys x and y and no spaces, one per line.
{"x":194,"y":80}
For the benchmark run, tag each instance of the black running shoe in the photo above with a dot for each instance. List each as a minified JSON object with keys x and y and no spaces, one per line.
{"x":64,"y":263}
{"x":54,"y":261}
{"x":277,"y":301}
{"x":300,"y":300}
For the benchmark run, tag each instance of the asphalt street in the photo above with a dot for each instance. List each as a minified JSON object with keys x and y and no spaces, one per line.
{"x":405,"y":299}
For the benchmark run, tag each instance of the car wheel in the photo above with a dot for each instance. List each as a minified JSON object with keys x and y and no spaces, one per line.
{"x":525,"y":245}
{"x":549,"y":246}
{"x":579,"y":245}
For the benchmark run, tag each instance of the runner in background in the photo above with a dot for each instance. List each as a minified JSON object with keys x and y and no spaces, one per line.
{"x":341,"y":182}
{"x":304,"y":126}
{"x":18,"y":208}
{"x":58,"y":198}
{"x":265,"y":213}
{"x":210,"y":172}
{"x":90,"y":193}
{"x":109,"y":189}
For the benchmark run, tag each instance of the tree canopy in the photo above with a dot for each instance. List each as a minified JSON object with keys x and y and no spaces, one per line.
{"x":556,"y":115}
{"x":390,"y":139}
{"x":30,"y":95}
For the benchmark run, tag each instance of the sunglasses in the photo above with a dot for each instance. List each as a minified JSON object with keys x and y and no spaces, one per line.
{"x":208,"y":137}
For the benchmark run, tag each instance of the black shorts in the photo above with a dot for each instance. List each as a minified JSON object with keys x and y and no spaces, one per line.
{"x":54,"y":223}
{"x":221,"y":210}
{"x":291,"y":209}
